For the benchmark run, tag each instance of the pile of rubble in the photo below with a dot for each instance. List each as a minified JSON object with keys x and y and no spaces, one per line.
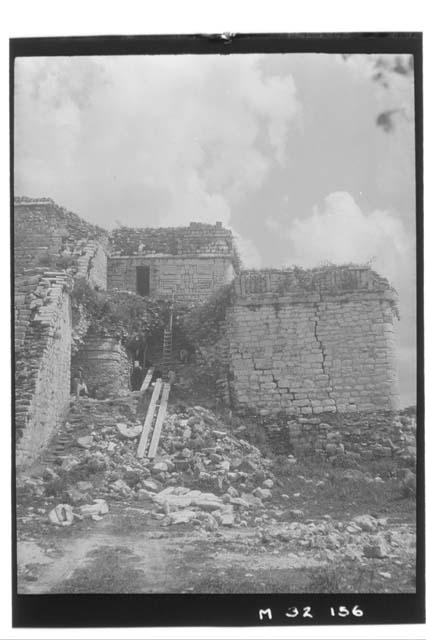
{"x":364,"y":537}
{"x":202,"y":473}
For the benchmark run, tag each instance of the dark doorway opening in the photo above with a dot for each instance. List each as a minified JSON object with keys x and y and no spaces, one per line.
{"x":142,"y":281}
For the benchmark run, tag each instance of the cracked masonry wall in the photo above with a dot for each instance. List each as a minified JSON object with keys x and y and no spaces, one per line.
{"x":306,"y":348}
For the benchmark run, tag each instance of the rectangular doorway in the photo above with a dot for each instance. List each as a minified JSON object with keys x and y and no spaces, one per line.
{"x":142,"y":281}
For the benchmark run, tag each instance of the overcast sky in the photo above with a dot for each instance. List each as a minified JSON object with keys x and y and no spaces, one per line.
{"x":284,"y":149}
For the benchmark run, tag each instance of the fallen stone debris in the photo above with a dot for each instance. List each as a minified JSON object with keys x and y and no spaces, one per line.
{"x":205,"y":476}
{"x":339,"y":540}
{"x":62,"y":515}
{"x":202,"y":474}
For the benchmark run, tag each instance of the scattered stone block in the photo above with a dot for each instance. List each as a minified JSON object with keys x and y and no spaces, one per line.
{"x":62,"y":515}
{"x":98,"y":508}
{"x":263,"y":494}
{"x":85,"y":442}
{"x":377,"y":548}
{"x":129,"y":432}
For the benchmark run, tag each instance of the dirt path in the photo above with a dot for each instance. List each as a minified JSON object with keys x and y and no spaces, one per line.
{"x":150,"y":560}
{"x":102,"y":560}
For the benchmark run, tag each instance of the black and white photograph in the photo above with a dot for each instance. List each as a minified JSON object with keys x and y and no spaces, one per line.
{"x":215,"y":351}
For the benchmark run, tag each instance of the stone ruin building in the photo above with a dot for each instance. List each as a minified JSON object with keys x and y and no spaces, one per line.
{"x":293,"y":345}
{"x":189,"y":263}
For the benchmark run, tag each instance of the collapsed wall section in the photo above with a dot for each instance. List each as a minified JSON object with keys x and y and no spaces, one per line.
{"x":42,"y":365}
{"x":323,"y":342}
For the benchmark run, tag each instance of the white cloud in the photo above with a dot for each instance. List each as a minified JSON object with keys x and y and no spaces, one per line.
{"x":341,"y":232}
{"x":249,"y":253}
{"x":150,"y":139}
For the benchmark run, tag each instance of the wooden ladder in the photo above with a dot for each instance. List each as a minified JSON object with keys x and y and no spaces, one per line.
{"x":167,"y":350}
{"x":156,"y":408}
{"x":168,"y":340}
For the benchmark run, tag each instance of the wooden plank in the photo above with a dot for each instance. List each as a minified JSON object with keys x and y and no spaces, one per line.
{"x":147,"y":380}
{"x":159,"y":422}
{"x":148,"y":419}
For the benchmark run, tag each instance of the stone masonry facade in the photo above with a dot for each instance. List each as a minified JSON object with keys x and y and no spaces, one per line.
{"x":325,"y":344}
{"x":188,"y":262}
{"x":189,"y":279}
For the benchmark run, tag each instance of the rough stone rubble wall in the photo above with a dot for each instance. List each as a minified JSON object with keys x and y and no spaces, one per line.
{"x":35,"y":236}
{"x":42,"y":229}
{"x":309,"y":352}
{"x":360,"y":436}
{"x":363,"y":435}
{"x":25,"y":286}
{"x":191,"y":279}
{"x":105,"y":365}
{"x":42,"y":361}
{"x":197,"y":238}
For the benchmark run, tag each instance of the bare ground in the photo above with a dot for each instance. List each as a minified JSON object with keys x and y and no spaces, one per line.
{"x":128,"y":551}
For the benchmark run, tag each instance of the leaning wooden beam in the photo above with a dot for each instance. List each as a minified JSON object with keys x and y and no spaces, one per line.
{"x":159,"y":422}
{"x":148,"y":418}
{"x":147,"y":380}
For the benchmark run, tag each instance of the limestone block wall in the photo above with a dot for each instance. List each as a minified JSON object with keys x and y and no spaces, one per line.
{"x":105,"y":365}
{"x":319,"y":349}
{"x":42,"y":364}
{"x":191,"y":278}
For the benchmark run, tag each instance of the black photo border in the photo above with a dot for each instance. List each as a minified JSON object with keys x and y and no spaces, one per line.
{"x":166,"y":610}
